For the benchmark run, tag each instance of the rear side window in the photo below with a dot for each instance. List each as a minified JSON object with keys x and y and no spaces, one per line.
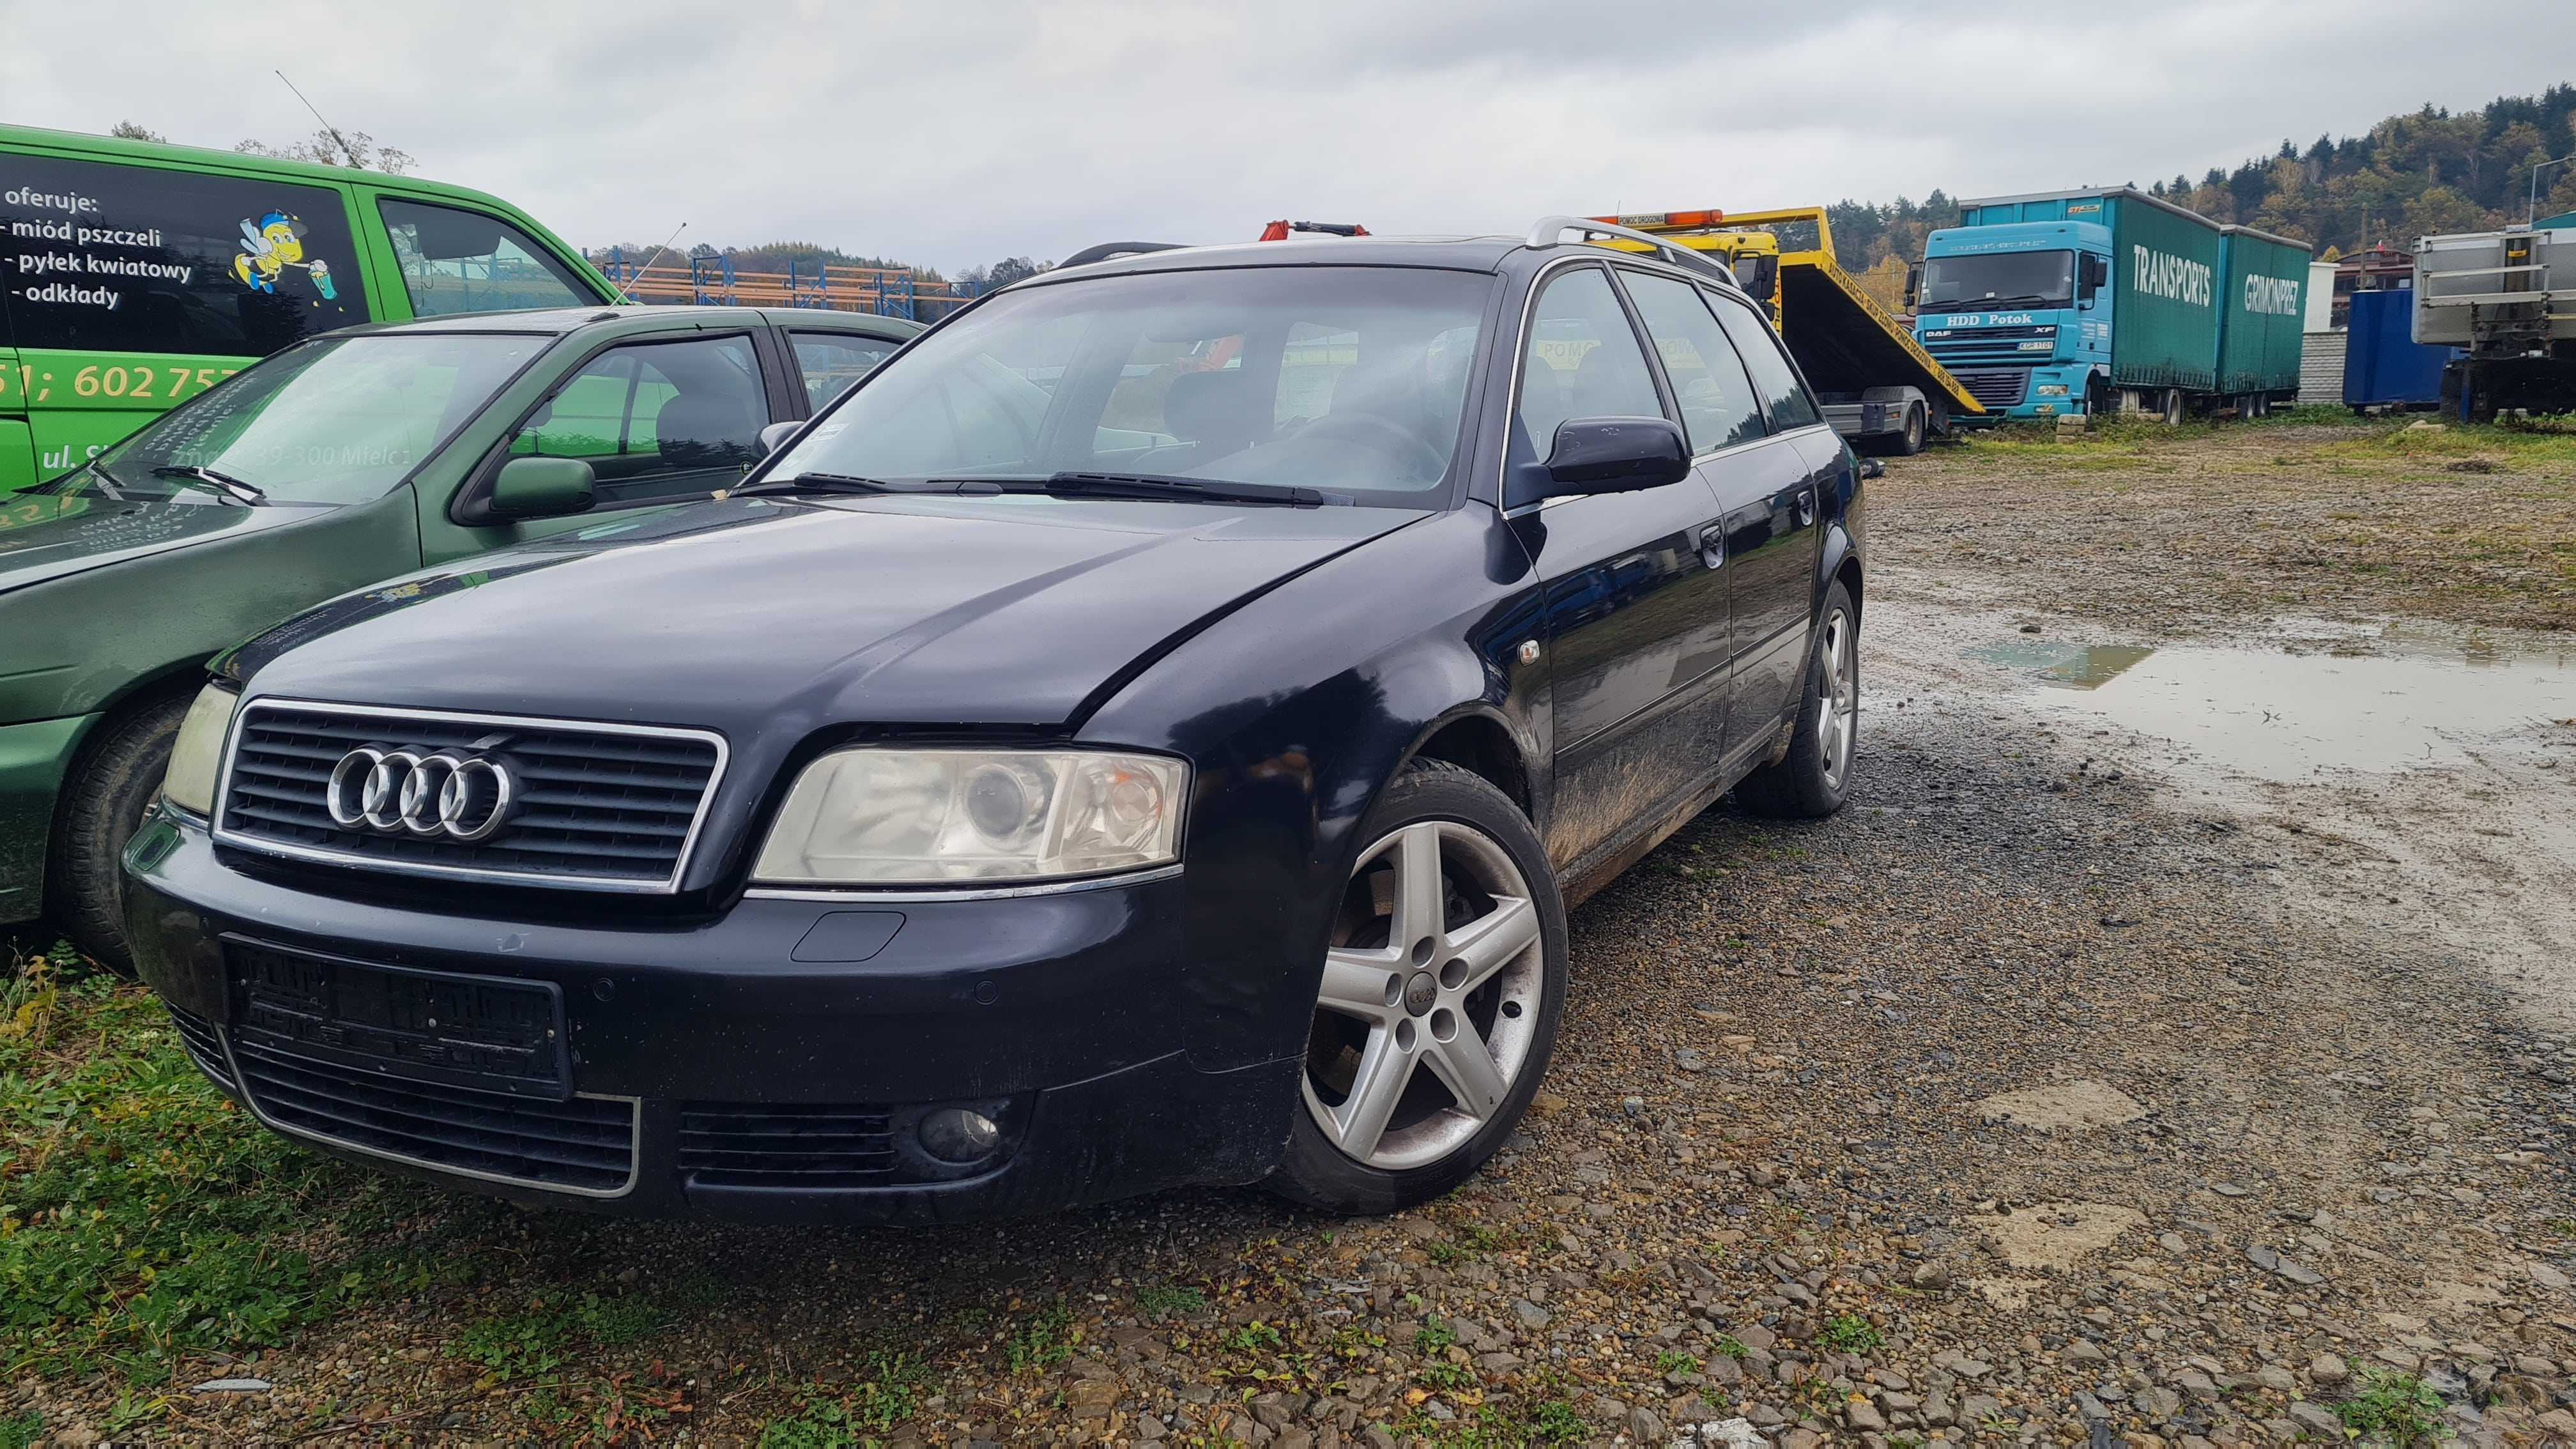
{"x":1782,"y":394}
{"x":831,"y":361}
{"x":100,"y":257}
{"x":455,"y":260}
{"x":1581,"y":359}
{"x":656,"y":420}
{"x":1718,"y":407}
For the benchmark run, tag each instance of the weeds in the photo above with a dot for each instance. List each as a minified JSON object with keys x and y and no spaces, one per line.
{"x":1433,"y":1336}
{"x":1045,"y":1340}
{"x":1674,"y":1361}
{"x":1851,"y":1333}
{"x":1728,"y":1346}
{"x":1169,"y":1300}
{"x":1442,"y":1374}
{"x":2400,"y":1408}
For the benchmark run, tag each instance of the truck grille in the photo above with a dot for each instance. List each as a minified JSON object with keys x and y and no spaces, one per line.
{"x":747,"y":1146}
{"x":585,"y":1145}
{"x":594,"y":806}
{"x":1995,"y":389}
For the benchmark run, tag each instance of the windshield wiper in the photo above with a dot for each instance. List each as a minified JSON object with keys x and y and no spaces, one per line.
{"x":224,"y":483}
{"x":1158,"y":486}
{"x":2020,"y":299}
{"x":820,"y":483}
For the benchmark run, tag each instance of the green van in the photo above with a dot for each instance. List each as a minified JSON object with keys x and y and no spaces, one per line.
{"x":135,"y":275}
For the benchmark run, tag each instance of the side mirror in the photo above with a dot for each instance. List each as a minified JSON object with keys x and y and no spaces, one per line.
{"x":775,"y":436}
{"x":2090,"y":273}
{"x":1616,"y":455}
{"x":540,"y":488}
{"x":1913,"y":286}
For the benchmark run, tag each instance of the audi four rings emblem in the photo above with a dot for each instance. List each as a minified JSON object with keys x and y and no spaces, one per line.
{"x":395,"y":792}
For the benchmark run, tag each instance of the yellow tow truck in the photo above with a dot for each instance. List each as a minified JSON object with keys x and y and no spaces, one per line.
{"x":1879,"y":387}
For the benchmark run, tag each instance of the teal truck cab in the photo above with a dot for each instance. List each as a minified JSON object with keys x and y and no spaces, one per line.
{"x":2077,"y":303}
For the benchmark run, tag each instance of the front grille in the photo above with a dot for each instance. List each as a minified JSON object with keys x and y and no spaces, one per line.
{"x":1956,"y":347}
{"x":603,"y":807}
{"x":1995,"y":389}
{"x":205,"y":1046}
{"x":584,"y":1145}
{"x":745,"y":1146}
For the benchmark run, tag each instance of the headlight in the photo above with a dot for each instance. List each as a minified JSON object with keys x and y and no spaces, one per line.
{"x":2052,"y":389}
{"x":879,"y":815}
{"x":198,"y":755}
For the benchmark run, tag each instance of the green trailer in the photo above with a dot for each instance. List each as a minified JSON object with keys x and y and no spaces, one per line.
{"x":2264,"y":318}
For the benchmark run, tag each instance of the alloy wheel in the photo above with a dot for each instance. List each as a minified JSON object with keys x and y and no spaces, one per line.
{"x":1430,"y":998}
{"x":1838,"y":697}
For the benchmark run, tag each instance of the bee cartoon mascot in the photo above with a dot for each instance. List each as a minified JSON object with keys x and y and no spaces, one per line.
{"x":271,"y":245}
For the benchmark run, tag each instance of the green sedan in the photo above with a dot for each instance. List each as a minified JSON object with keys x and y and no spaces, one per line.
{"x":344,"y":460}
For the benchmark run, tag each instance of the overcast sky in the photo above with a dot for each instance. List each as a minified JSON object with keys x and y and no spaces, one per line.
{"x":950,"y":134}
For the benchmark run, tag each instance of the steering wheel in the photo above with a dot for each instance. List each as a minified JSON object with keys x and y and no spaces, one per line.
{"x":1370,"y":430}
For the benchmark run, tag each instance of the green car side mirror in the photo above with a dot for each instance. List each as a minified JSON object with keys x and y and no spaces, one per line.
{"x":540,"y":488}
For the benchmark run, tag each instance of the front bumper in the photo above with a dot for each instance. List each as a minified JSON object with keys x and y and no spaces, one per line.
{"x":1062,"y":1005}
{"x":34,"y":757}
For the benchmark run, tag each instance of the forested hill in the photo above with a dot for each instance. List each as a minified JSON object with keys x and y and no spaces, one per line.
{"x":2408,"y":176}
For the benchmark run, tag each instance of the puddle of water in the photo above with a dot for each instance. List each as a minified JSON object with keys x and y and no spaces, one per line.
{"x":2426,"y":699}
{"x":2070,"y":665}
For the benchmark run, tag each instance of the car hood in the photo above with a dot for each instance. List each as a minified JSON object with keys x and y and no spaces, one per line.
{"x":774,"y":617}
{"x":47,"y":536}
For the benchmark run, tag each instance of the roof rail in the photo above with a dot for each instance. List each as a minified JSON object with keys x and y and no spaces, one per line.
{"x":1550,"y":231}
{"x":1106,"y":250}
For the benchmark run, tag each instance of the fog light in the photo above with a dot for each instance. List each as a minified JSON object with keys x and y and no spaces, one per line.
{"x":954,"y":1134}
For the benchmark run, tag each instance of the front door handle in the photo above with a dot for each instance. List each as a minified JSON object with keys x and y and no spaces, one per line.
{"x":1806,"y":507}
{"x":1712,"y":546}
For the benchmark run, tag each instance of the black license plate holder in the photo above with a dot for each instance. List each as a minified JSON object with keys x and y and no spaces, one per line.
{"x":459,"y":1029}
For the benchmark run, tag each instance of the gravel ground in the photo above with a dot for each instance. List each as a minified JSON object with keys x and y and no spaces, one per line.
{"x":2023,"y":1102}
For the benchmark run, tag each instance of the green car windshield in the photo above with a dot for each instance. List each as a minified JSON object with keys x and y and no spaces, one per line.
{"x":336,"y":420}
{"x":1349,"y":379}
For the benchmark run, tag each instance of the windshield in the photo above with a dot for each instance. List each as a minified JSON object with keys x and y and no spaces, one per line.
{"x":336,"y":420}
{"x":1999,"y":279}
{"x":1343,"y":379}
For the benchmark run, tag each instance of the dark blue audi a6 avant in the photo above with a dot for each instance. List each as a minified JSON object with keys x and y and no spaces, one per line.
{"x":1147,"y":733}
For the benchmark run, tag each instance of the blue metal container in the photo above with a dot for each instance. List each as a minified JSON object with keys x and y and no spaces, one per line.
{"x":2383,"y":364}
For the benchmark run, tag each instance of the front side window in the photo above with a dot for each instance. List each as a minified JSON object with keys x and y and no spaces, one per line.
{"x":463,"y":261}
{"x":1783,"y":396}
{"x":656,"y":420}
{"x":1718,"y":407}
{"x":1581,"y":359}
{"x":337,"y":420}
{"x":99,"y":257}
{"x":1351,"y":380}
{"x":1998,"y":279}
{"x":831,"y":361}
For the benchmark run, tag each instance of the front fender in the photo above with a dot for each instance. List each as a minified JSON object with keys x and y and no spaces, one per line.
{"x":1294,"y":712}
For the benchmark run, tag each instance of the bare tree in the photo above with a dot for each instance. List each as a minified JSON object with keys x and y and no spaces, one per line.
{"x":136,"y":131}
{"x":353,"y":149}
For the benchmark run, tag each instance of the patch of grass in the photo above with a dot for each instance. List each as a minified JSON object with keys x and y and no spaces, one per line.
{"x":141,"y":1215}
{"x":1169,"y":1300}
{"x":1433,"y":1336}
{"x":2563,"y":1227}
{"x":1729,"y":1346}
{"x":19,"y":1431}
{"x":2400,"y":1408}
{"x":1445,"y":1252}
{"x":1046,"y":1339}
{"x":1493,"y":1426}
{"x":1674,"y":1361}
{"x":1851,"y":1333}
{"x":888,"y":1392}
{"x":535,"y":1343}
{"x":1254,"y":1337}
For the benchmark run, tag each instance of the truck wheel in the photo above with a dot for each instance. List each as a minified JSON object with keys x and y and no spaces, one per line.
{"x":1440,"y":997}
{"x":1909,"y":441}
{"x":103,"y":804}
{"x":1814,"y":779}
{"x":2173,"y":407}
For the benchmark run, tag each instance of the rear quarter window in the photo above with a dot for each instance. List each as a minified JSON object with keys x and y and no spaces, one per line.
{"x":101,"y":257}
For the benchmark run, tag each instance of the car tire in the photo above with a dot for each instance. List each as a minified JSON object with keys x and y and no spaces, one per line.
{"x":1814,"y":779}
{"x":111,"y":788}
{"x":1489,"y":969}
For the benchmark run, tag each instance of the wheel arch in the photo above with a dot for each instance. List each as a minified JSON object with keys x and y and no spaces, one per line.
{"x":1475,"y":738}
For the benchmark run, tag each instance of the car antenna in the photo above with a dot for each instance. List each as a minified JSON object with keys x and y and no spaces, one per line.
{"x":336,"y":138}
{"x":627,"y":295}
